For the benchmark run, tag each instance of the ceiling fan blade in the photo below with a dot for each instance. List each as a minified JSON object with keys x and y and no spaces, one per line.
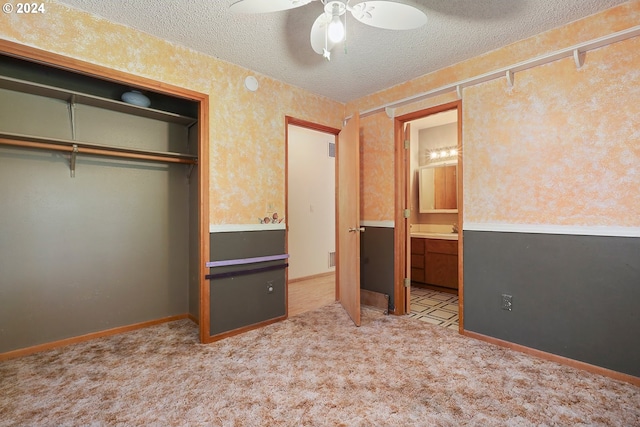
{"x":318,"y":34}
{"x":263,"y":6}
{"x":388,"y":15}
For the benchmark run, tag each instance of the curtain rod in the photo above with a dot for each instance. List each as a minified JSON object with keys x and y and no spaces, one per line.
{"x":577,"y":51}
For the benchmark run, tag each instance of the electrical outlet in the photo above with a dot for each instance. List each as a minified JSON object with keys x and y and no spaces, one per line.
{"x":507,"y":302}
{"x":270,"y":287}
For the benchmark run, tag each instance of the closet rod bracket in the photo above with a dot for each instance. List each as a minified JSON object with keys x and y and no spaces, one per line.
{"x":72,"y":162}
{"x":72,"y":116}
{"x":189,"y":171}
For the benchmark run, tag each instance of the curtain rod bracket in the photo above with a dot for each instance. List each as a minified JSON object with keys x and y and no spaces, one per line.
{"x":578,"y":57}
{"x":510,"y":77}
{"x":391,"y":112}
{"x":459,"y":91}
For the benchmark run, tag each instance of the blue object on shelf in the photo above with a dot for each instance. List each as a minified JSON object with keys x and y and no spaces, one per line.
{"x":134,"y":97}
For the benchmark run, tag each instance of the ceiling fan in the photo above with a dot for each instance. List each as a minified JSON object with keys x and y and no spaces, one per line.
{"x":329,"y":29}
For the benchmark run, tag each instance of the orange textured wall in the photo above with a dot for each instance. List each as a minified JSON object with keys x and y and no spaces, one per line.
{"x":560,"y":148}
{"x":246,"y":128}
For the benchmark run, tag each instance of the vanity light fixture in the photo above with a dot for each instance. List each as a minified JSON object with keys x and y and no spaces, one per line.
{"x":443,"y":153}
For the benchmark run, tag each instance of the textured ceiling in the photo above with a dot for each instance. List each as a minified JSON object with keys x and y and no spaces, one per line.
{"x":277,"y":44}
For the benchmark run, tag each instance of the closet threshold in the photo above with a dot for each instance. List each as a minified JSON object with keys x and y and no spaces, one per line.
{"x":78,"y":147}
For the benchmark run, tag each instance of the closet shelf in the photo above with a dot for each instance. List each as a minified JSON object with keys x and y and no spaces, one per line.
{"x":78,"y":147}
{"x":94,"y":101}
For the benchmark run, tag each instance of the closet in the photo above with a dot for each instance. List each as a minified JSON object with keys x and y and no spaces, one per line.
{"x":100,"y":220}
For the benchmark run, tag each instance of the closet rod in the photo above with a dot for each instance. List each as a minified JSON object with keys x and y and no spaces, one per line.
{"x":94,"y":149}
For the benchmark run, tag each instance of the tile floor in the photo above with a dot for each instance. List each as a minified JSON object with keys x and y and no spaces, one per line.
{"x":438,"y":308}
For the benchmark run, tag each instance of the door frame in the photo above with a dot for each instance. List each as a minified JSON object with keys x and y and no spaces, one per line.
{"x":83,"y":67}
{"x":401,"y":223}
{"x":289,"y":120}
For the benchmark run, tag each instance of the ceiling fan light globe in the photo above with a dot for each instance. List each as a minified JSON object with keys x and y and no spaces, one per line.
{"x":335,"y":31}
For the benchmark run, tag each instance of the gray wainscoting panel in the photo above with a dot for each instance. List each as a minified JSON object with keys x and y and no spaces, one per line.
{"x":574,"y":296}
{"x":242,"y":299}
{"x":376,"y":261}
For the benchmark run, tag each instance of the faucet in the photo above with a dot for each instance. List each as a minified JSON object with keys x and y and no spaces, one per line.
{"x":454,"y":228}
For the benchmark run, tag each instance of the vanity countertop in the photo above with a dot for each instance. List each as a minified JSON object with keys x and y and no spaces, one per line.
{"x":426,"y":235}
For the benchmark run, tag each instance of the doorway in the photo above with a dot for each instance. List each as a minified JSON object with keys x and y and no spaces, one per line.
{"x":310,"y":215}
{"x":429,"y":247}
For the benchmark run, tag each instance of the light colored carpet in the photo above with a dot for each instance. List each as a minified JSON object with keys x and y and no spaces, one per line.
{"x":315,"y":369}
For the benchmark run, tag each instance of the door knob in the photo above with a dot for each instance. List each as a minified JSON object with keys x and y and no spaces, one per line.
{"x":359,"y":229}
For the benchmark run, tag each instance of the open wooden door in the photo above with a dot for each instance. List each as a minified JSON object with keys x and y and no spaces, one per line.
{"x":406,"y":137}
{"x":348,"y":218}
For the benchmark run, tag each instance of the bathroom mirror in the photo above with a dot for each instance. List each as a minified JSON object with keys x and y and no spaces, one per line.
{"x":438,"y":188}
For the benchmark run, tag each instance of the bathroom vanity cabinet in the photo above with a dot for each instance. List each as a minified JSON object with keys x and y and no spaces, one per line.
{"x":434,"y":262}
